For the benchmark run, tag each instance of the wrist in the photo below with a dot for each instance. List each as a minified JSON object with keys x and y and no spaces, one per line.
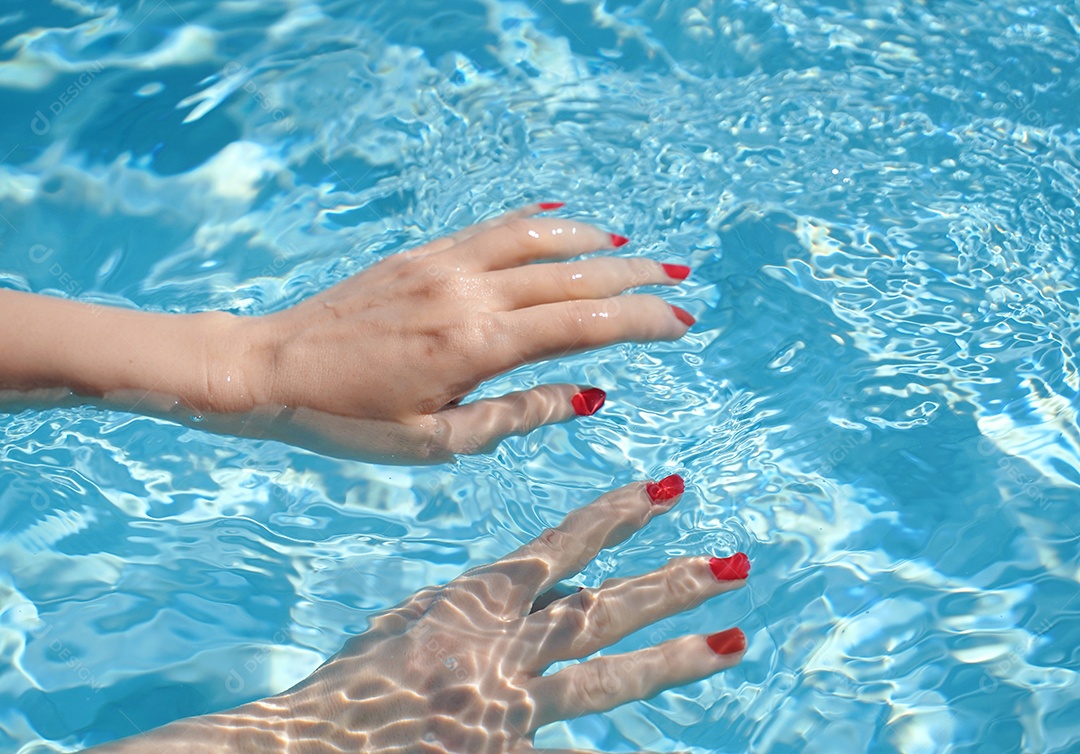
{"x":233,"y":361}
{"x":243,"y":361}
{"x":127,"y":356}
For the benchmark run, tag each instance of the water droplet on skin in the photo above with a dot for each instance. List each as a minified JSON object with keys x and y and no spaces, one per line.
{"x":196,"y":417}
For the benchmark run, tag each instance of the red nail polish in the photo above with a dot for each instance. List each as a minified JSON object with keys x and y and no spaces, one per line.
{"x":727,"y":642}
{"x":617,"y":240}
{"x":666,"y":489}
{"x":551,"y":205}
{"x":677,"y":271}
{"x":730,"y":569}
{"x":684,"y":316}
{"x":588,"y":402}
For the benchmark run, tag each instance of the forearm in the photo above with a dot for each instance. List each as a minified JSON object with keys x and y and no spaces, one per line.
{"x":256,"y":728}
{"x":98,"y":351}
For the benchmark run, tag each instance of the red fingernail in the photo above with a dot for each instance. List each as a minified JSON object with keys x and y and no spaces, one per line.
{"x":617,"y":240}
{"x":730,"y":569}
{"x":551,"y":205}
{"x":727,"y":642}
{"x":677,"y":271}
{"x":588,"y":402}
{"x":666,"y":489}
{"x":684,"y":316}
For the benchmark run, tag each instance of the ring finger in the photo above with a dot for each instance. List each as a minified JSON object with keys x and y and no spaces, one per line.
{"x":592,"y":619}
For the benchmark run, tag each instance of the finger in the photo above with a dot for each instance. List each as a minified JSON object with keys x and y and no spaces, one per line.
{"x":554,"y":330}
{"x":606,"y":682}
{"x":522,"y":287}
{"x":592,"y":619}
{"x":522,"y":240}
{"x":479,"y":426}
{"x":445,"y":242}
{"x":567,"y":549}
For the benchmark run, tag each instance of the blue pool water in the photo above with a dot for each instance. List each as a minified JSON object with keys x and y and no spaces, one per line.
{"x":879,"y":403}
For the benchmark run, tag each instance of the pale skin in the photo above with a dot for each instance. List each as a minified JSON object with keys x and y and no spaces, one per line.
{"x":372,"y":368}
{"x":459,"y":669}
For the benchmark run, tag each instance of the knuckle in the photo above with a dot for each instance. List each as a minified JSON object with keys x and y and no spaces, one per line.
{"x":521,"y":230}
{"x":665,"y":656}
{"x":680,"y":584}
{"x":575,"y":618}
{"x":531,"y":414}
{"x":595,"y":683}
{"x":433,"y":281}
{"x":562,"y":278}
{"x":469,"y":336}
{"x":551,"y":540}
{"x":611,"y":307}
{"x":599,"y":614}
{"x":577,"y":314}
{"x":643,"y":271}
{"x":453,"y":286}
{"x":489,"y":329}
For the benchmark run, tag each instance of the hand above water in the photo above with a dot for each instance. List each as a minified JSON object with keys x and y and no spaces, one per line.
{"x":459,"y":668}
{"x":375,"y":366}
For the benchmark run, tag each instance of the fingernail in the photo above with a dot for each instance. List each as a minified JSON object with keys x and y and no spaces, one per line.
{"x":588,"y":402}
{"x":666,"y":489}
{"x":730,"y":569}
{"x":617,"y":240}
{"x":727,"y":642}
{"x":677,"y":271}
{"x":684,"y":316}
{"x":551,"y":205}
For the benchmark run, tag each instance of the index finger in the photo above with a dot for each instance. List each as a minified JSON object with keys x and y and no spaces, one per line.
{"x":568,"y":548}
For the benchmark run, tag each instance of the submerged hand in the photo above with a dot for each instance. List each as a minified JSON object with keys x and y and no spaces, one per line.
{"x":379,"y":362}
{"x":459,"y":668}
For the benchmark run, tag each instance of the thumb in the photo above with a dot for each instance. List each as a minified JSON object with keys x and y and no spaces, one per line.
{"x":479,"y":426}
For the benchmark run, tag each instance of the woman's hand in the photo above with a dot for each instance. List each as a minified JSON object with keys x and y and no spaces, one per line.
{"x":375,"y":366}
{"x":393,"y":349}
{"x":459,"y":668}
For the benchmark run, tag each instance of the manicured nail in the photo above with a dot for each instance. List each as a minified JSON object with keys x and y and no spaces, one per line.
{"x":588,"y":402}
{"x":551,"y":205}
{"x":677,"y":271}
{"x":667,"y":488}
{"x":727,"y":642}
{"x":684,"y":316}
{"x":730,"y":569}
{"x":617,"y":240}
